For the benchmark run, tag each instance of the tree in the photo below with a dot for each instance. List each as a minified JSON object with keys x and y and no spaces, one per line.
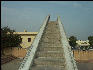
{"x":72,"y":41}
{"x":8,"y":39}
{"x":90,"y":38}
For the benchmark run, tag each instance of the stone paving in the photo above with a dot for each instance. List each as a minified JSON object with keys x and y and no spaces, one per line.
{"x":85,"y":66}
{"x":12,"y":65}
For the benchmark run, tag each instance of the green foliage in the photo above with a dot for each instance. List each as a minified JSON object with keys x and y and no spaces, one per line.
{"x":84,"y":48}
{"x":9,"y":40}
{"x":72,"y":41}
{"x":90,"y":38}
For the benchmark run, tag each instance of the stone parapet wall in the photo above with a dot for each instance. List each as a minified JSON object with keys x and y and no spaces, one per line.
{"x":78,"y":55}
{"x":15,"y":51}
{"x":83,"y":55}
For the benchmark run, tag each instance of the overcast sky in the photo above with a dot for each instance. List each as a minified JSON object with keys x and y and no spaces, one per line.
{"x":77,"y":17}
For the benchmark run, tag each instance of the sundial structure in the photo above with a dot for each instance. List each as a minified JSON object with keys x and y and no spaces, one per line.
{"x":50,"y":49}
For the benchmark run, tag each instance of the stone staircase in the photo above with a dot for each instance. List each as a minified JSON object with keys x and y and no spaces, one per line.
{"x":49,"y":55}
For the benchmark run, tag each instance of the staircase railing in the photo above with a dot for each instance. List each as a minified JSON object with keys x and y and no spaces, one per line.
{"x":70,"y":62}
{"x":28,"y":60}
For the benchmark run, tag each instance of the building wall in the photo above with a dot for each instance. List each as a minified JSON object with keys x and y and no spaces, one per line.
{"x":25,"y":35}
{"x":25,"y":43}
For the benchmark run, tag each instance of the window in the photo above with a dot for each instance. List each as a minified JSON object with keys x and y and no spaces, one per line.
{"x":29,"y":39}
{"x":21,"y":40}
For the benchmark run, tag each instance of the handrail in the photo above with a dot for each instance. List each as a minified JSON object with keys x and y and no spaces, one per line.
{"x":70,"y":62}
{"x":28,"y":60}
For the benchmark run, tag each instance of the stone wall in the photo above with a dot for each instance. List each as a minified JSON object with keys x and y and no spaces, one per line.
{"x":78,"y":55}
{"x":83,"y":55}
{"x":17,"y":52}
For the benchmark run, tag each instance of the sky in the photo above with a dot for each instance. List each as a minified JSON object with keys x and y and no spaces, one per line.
{"x":76,"y":16}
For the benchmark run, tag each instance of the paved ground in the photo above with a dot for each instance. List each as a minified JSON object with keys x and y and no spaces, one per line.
{"x":85,"y":66}
{"x":13,"y":65}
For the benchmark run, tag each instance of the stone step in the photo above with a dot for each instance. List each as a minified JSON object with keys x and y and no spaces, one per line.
{"x":49,"y":45}
{"x":49,"y":61}
{"x":49,"y":53}
{"x":50,"y":25}
{"x":48,"y":36}
{"x":52,"y":57}
{"x":52,"y":32}
{"x":51,"y":40}
{"x":47,"y":67}
{"x":50,"y":49}
{"x":52,"y":29}
{"x":49,"y":33}
{"x":56,"y":29}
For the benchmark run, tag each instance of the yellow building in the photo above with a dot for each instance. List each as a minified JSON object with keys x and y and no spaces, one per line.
{"x":27,"y":38}
{"x":83,"y":43}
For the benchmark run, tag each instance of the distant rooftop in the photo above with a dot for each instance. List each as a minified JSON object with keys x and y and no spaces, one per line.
{"x":25,"y":32}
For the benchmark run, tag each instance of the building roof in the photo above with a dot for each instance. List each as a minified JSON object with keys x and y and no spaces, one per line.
{"x":83,"y":43}
{"x":25,"y":32}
